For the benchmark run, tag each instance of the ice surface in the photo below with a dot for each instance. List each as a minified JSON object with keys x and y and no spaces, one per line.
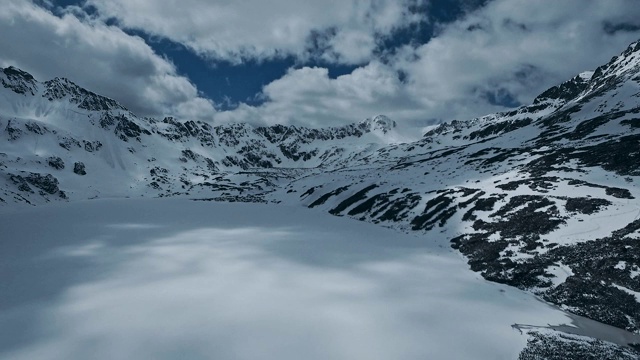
{"x":176,"y":279}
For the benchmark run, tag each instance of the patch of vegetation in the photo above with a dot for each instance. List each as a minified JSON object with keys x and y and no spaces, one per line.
{"x":539,"y":184}
{"x":556,"y":346}
{"x":619,"y":193}
{"x":435,"y":206}
{"x":500,"y":128}
{"x":586,"y":205}
{"x":323,"y":199}
{"x":360,"y":195}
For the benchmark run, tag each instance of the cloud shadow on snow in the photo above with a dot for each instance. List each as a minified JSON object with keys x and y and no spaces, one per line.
{"x":118,"y":279}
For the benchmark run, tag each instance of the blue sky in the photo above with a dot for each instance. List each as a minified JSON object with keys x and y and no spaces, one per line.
{"x":315,"y":63}
{"x":228,"y":83}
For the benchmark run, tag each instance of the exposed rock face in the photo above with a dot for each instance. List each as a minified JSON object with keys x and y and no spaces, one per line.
{"x":18,"y":81}
{"x":79,"y":168}
{"x":55,"y":162}
{"x":62,"y":88}
{"x":48,"y":183}
{"x":565,"y":91}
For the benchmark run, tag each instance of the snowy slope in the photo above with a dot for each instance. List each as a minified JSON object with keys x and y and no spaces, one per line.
{"x":60,"y":141}
{"x":521,"y":194}
{"x":543,"y":198}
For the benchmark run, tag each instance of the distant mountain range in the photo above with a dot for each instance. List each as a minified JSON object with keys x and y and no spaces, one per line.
{"x":543,"y":198}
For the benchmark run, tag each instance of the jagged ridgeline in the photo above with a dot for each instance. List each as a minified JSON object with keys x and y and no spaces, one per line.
{"x":144,"y":156}
{"x":543,"y":198}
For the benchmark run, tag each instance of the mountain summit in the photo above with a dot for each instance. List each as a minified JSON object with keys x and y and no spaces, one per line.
{"x":380,"y":123}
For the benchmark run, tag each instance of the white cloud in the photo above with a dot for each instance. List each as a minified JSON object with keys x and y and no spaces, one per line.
{"x":508,"y":51}
{"x":256,"y":29}
{"x":101,"y":58}
{"x":516,"y":47}
{"x":309,"y":96}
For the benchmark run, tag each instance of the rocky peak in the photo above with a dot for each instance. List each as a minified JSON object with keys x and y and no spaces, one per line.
{"x":564,"y":92}
{"x":592,"y":83}
{"x":60,"y":88}
{"x":627,"y":62}
{"x":230,"y":134}
{"x":18,"y":81}
{"x":379,"y":123}
{"x":618,"y":70}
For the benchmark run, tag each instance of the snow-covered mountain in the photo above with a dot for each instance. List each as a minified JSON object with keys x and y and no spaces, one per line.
{"x":543,"y":198}
{"x":61,"y":141}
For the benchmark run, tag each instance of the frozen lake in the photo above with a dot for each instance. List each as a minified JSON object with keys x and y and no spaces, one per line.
{"x":177,"y":279}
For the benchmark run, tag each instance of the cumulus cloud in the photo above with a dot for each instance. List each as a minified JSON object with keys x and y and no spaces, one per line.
{"x":494,"y":58}
{"x":497,"y":57}
{"x":99,"y":57}
{"x":510,"y":51}
{"x":309,"y":96}
{"x":255,"y":29}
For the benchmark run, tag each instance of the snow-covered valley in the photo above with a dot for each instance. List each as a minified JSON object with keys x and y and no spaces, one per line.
{"x":481,"y":227}
{"x":168,"y":279}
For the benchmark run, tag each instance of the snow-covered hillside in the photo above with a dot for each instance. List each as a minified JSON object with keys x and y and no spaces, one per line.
{"x":60,"y":141}
{"x":543,"y":198}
